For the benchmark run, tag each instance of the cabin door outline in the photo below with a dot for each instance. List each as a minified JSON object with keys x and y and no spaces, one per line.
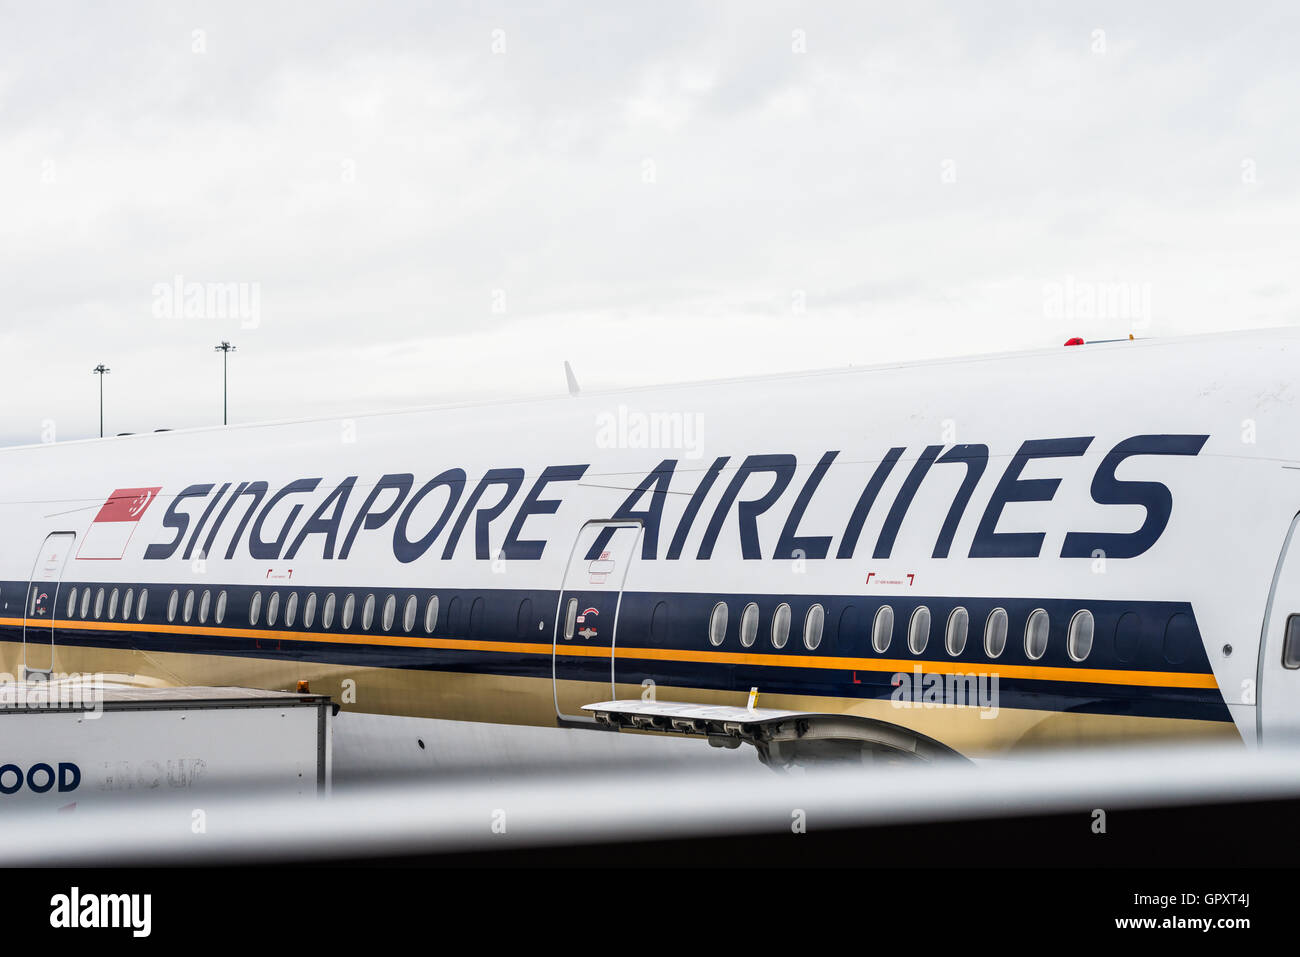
{"x":1277,"y":685}
{"x":40,"y":606}
{"x":586,"y":615}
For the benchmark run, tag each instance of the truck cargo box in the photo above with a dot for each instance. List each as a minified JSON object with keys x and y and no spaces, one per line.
{"x":72,"y":744}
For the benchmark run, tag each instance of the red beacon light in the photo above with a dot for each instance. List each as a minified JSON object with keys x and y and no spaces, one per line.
{"x":1074,"y":341}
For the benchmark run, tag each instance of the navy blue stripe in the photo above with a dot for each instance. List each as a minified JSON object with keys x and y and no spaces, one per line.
{"x":1136,"y":636}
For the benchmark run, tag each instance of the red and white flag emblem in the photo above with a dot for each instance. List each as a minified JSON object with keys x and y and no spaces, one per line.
{"x":111,"y":531}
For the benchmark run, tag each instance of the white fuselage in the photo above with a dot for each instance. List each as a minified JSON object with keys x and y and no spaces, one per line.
{"x":1150,"y":485}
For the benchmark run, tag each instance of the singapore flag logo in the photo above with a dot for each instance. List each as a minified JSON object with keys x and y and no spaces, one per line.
{"x":115,"y":523}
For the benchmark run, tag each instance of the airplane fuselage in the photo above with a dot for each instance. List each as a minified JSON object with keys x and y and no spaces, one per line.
{"x":1078,"y":545}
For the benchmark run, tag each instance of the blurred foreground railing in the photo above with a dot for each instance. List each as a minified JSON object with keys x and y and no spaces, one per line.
{"x":432,"y":817}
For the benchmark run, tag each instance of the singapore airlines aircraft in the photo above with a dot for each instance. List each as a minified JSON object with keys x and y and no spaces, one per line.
{"x":967,"y":556}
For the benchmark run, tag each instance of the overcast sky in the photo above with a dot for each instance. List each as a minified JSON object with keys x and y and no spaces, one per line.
{"x":439,"y":201}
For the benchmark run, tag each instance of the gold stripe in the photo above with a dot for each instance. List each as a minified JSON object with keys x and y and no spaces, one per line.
{"x":405,"y":641}
{"x":1162,"y":679}
{"x":1172,"y":679}
{"x":515,"y":699}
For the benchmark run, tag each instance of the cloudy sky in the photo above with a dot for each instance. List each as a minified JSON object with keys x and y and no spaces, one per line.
{"x":415,"y":203}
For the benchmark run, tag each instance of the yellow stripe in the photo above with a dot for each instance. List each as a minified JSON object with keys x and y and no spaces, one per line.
{"x":405,"y":641}
{"x":1171,"y":679}
{"x":1163,"y":679}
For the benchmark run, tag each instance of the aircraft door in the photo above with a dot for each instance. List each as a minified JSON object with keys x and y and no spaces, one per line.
{"x":1278,"y":692}
{"x":586,"y":621}
{"x":41,"y":606}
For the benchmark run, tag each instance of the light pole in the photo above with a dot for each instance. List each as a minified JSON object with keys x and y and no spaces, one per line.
{"x":99,"y":370}
{"x":225,"y":349}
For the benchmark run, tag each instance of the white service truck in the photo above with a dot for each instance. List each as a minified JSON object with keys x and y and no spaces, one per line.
{"x":67,"y":745}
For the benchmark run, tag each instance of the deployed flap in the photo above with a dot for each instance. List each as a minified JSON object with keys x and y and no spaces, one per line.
{"x":666,"y":711}
{"x":781,"y":737}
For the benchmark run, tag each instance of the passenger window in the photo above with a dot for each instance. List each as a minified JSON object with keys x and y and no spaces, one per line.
{"x":220,"y":615}
{"x":189,"y":606}
{"x":718,"y":624}
{"x":368,"y":613}
{"x":1036,"y":634}
{"x":205,"y":605}
{"x":272,"y":609}
{"x":523,"y":618}
{"x":570,"y":618}
{"x":349,"y":609}
{"x":431,"y":615}
{"x":918,"y":630}
{"x":173,"y":602}
{"x":127,"y":601}
{"x":1081,"y":630}
{"x":255,"y":608}
{"x":882,"y":629}
{"x":85,"y":602}
{"x":290,"y":609}
{"x":749,"y":625}
{"x":847,"y":628}
{"x":409,"y":613}
{"x":309,"y":610}
{"x":99,"y":603}
{"x":327,"y":614}
{"x":72,"y":603}
{"x":958,"y":625}
{"x":995,"y":633}
{"x":660,"y":626}
{"x":1291,"y":643}
{"x":1180,"y":638}
{"x":144,"y":603}
{"x":390,"y":611}
{"x":476,"y":616}
{"x":112,"y":604}
{"x":813,"y":624}
{"x":781,"y":626}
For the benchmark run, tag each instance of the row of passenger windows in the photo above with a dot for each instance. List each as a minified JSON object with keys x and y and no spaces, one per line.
{"x":329,"y":605}
{"x":107,"y":604}
{"x":1037,"y":628}
{"x":200,"y":606}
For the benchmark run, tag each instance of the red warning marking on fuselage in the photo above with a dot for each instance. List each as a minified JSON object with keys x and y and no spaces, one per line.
{"x":908,"y":579}
{"x":589,"y":632}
